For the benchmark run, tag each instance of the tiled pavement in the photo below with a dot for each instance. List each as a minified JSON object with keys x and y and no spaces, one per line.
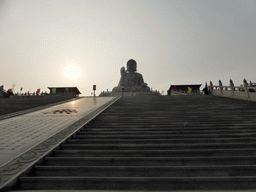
{"x":21,"y":133}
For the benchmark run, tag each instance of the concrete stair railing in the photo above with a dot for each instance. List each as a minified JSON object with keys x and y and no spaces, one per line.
{"x":244,"y":92}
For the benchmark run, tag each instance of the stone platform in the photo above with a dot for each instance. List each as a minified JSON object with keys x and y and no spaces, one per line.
{"x":129,"y":191}
{"x":170,"y":143}
{"x":161,"y":143}
{"x":26,"y":137}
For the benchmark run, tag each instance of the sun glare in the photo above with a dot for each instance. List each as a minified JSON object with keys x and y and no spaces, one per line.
{"x":72,"y":72}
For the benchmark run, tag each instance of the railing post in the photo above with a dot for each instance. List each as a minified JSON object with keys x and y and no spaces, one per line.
{"x":1,"y":90}
{"x":211,"y":87}
{"x":246,"y":88}
{"x":221,"y":88}
{"x":232,"y":87}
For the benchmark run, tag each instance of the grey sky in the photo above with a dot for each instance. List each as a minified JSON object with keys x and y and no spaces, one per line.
{"x":173,"y":42}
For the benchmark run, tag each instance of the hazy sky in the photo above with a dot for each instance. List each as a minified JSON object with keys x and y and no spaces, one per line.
{"x":84,"y":42}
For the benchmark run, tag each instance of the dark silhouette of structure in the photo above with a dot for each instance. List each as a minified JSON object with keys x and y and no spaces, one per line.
{"x":184,"y":88}
{"x":64,"y":90}
{"x":5,"y":94}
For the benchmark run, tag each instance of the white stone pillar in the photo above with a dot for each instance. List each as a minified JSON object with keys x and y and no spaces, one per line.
{"x":246,"y":89}
{"x":1,"y":90}
{"x":221,"y":88}
{"x":232,"y":87}
{"x":211,"y":87}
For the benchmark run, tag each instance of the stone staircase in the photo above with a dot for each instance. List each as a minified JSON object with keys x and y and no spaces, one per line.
{"x":144,"y":143}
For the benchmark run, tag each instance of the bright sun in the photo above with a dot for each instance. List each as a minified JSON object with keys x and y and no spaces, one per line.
{"x":72,"y":72}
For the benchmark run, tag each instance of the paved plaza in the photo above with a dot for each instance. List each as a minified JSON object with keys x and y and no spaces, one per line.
{"x":21,"y":133}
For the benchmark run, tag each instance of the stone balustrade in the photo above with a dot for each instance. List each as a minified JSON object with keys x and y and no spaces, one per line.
{"x":244,"y":92}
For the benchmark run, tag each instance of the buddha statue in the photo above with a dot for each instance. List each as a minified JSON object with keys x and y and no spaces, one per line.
{"x":131,"y":80}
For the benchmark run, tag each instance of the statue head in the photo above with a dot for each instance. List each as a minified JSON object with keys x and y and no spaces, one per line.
{"x":131,"y":65}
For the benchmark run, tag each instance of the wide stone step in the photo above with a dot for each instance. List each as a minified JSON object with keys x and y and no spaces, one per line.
{"x":161,"y":141}
{"x":175,"y":113}
{"x":156,"y":153}
{"x":163,"y":128}
{"x":145,"y":171}
{"x":138,"y":183}
{"x":168,"y":120}
{"x":157,"y":146}
{"x":152,"y":161}
{"x":174,"y":123}
{"x":132,"y":132}
{"x":180,"y":126}
{"x":106,"y":115}
{"x":165,"y":136}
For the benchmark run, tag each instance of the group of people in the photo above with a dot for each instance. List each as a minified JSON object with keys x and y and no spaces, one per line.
{"x":8,"y":93}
